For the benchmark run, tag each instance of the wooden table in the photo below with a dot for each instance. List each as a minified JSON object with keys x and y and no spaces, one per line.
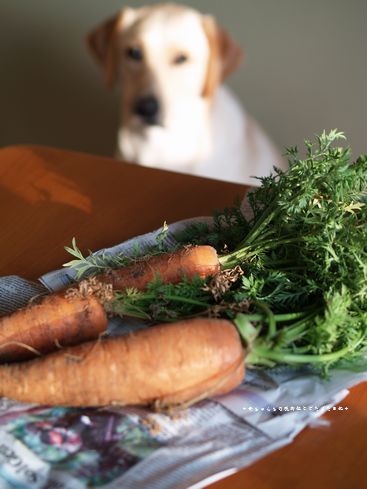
{"x":48,"y":196}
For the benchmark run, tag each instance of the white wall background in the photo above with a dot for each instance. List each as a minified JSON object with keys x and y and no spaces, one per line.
{"x":306,"y":69}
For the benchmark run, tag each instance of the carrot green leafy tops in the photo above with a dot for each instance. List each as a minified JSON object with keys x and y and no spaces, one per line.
{"x":296,"y":270}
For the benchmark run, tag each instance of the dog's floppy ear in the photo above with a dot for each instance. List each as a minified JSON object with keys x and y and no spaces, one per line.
{"x":102,"y":43}
{"x":225,"y":55}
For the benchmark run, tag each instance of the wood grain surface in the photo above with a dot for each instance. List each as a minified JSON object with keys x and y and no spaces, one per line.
{"x":48,"y":196}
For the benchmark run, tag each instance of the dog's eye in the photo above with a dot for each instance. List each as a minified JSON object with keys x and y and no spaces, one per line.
{"x":134,"y":53}
{"x":180,"y":59}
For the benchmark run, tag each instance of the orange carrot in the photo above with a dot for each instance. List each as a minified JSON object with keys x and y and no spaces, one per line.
{"x":57,"y":320}
{"x":169,"y":267}
{"x":165,"y":365}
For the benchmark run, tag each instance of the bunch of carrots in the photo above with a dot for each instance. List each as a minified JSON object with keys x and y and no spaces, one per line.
{"x":290,"y":289}
{"x":166,"y":365}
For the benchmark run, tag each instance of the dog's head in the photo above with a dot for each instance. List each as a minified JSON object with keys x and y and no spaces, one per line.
{"x":162,"y":56}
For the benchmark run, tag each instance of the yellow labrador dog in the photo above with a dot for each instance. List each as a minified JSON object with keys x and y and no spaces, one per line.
{"x":170,"y":61}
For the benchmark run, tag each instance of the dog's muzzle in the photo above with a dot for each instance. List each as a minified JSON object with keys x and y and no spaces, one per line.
{"x":147,"y":108}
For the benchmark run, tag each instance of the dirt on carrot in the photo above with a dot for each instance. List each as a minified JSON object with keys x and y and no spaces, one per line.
{"x":187,"y":262}
{"x":62,"y":319}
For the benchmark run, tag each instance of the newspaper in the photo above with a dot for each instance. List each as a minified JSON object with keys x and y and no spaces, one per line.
{"x":16,"y":293}
{"x":116,"y":448}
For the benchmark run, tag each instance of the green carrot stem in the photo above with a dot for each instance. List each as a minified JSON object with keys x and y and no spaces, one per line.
{"x":272,"y":329}
{"x":259,"y":352}
{"x":282,"y":317}
{"x":129,"y":310}
{"x":246,"y":252}
{"x":173,"y":298}
{"x":123,"y":306}
{"x":185,"y":300}
{"x":270,"y":212}
{"x":266,"y":217}
{"x":290,"y":333}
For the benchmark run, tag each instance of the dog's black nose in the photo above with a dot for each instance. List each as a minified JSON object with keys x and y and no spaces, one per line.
{"x":147,"y":108}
